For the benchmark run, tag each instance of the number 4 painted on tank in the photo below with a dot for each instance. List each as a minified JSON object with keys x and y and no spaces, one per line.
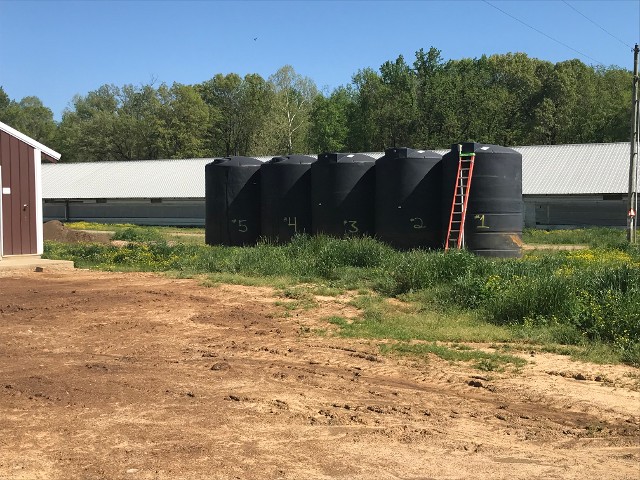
{"x":481,"y":218}
{"x":293,"y":224}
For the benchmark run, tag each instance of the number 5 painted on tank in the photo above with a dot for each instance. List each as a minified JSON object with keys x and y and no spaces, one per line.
{"x":242,"y":225}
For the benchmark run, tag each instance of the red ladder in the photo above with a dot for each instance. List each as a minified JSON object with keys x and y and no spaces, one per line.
{"x":455,"y":232}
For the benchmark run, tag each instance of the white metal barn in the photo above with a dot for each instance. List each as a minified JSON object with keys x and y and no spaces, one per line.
{"x":575,"y":185}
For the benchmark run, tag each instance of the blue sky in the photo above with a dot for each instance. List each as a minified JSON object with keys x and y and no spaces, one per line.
{"x":56,"y":49}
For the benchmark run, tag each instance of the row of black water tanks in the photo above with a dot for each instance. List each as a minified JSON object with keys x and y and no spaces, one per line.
{"x":404,"y":198}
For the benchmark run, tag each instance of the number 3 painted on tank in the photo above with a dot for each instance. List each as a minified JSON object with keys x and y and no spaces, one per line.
{"x":353,"y":226}
{"x":481,"y":218}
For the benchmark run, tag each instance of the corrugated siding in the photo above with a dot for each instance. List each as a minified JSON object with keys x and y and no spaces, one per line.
{"x":546,"y":170}
{"x":575,"y":169}
{"x":139,"y":179}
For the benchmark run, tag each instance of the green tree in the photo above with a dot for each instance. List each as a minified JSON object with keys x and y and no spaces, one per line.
{"x":238,"y":109}
{"x":28,"y":116}
{"x":257,"y":114}
{"x":364,"y":116}
{"x":137,"y":129}
{"x":184,"y":122}
{"x":293,"y":97}
{"x":397,"y":104}
{"x":113,"y":123}
{"x":428,"y":67}
{"x":613,"y":112}
{"x":329,"y":129}
{"x":5,"y":101}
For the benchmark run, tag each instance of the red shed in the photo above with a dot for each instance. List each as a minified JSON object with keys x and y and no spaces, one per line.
{"x":21,"y":199}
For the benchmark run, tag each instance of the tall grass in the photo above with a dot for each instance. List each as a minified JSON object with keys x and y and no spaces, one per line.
{"x":595,"y":237}
{"x":578,"y":297}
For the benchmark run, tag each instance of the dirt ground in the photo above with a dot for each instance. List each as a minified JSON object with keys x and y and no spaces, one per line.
{"x":57,"y":231}
{"x":141,"y":376}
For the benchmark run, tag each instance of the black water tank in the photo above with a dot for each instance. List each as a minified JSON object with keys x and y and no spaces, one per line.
{"x":285,"y":184}
{"x":232,"y":201}
{"x":408,"y":201}
{"x":342,"y":192}
{"x":493,"y":225}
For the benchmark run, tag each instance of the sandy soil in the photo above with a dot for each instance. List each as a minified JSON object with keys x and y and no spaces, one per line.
{"x":138,"y":376}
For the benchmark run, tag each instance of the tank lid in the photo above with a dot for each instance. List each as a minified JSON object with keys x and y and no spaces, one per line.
{"x":216,"y":161}
{"x":237,"y":162}
{"x":344,"y":158}
{"x":404,"y":152}
{"x":472,"y":147}
{"x":292,"y":160}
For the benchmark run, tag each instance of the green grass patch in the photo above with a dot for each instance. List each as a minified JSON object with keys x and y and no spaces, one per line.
{"x":116,"y":227}
{"x":381,"y":319}
{"x":215,"y":279}
{"x":101,"y":227}
{"x":596,"y":237}
{"x":138,"y":234}
{"x":482,"y":360}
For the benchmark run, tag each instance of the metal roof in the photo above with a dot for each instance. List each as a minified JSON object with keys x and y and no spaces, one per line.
{"x":575,"y":169}
{"x":546,"y":170}
{"x":135,"y":179}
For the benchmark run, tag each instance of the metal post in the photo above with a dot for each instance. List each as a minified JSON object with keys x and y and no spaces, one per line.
{"x":633,"y":160}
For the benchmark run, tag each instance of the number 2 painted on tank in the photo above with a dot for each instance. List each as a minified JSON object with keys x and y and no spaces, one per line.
{"x":481,"y":218}
{"x":418,"y":223}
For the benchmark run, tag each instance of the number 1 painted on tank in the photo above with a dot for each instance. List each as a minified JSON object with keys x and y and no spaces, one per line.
{"x":481,"y":218}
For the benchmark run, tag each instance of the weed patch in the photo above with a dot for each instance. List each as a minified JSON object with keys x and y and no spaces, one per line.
{"x":482,"y":360}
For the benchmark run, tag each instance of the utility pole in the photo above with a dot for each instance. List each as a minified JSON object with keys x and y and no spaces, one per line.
{"x":633,"y":161}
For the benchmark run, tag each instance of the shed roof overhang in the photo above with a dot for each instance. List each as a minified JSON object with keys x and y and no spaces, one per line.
{"x":47,"y":153}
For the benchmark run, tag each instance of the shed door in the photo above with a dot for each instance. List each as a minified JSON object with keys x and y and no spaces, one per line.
{"x":18,"y":197}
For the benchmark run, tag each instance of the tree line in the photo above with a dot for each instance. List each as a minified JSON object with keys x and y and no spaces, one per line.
{"x":508,"y":99}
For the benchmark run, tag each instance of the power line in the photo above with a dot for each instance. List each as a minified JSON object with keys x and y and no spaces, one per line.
{"x":542,"y":33}
{"x":600,"y":27}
